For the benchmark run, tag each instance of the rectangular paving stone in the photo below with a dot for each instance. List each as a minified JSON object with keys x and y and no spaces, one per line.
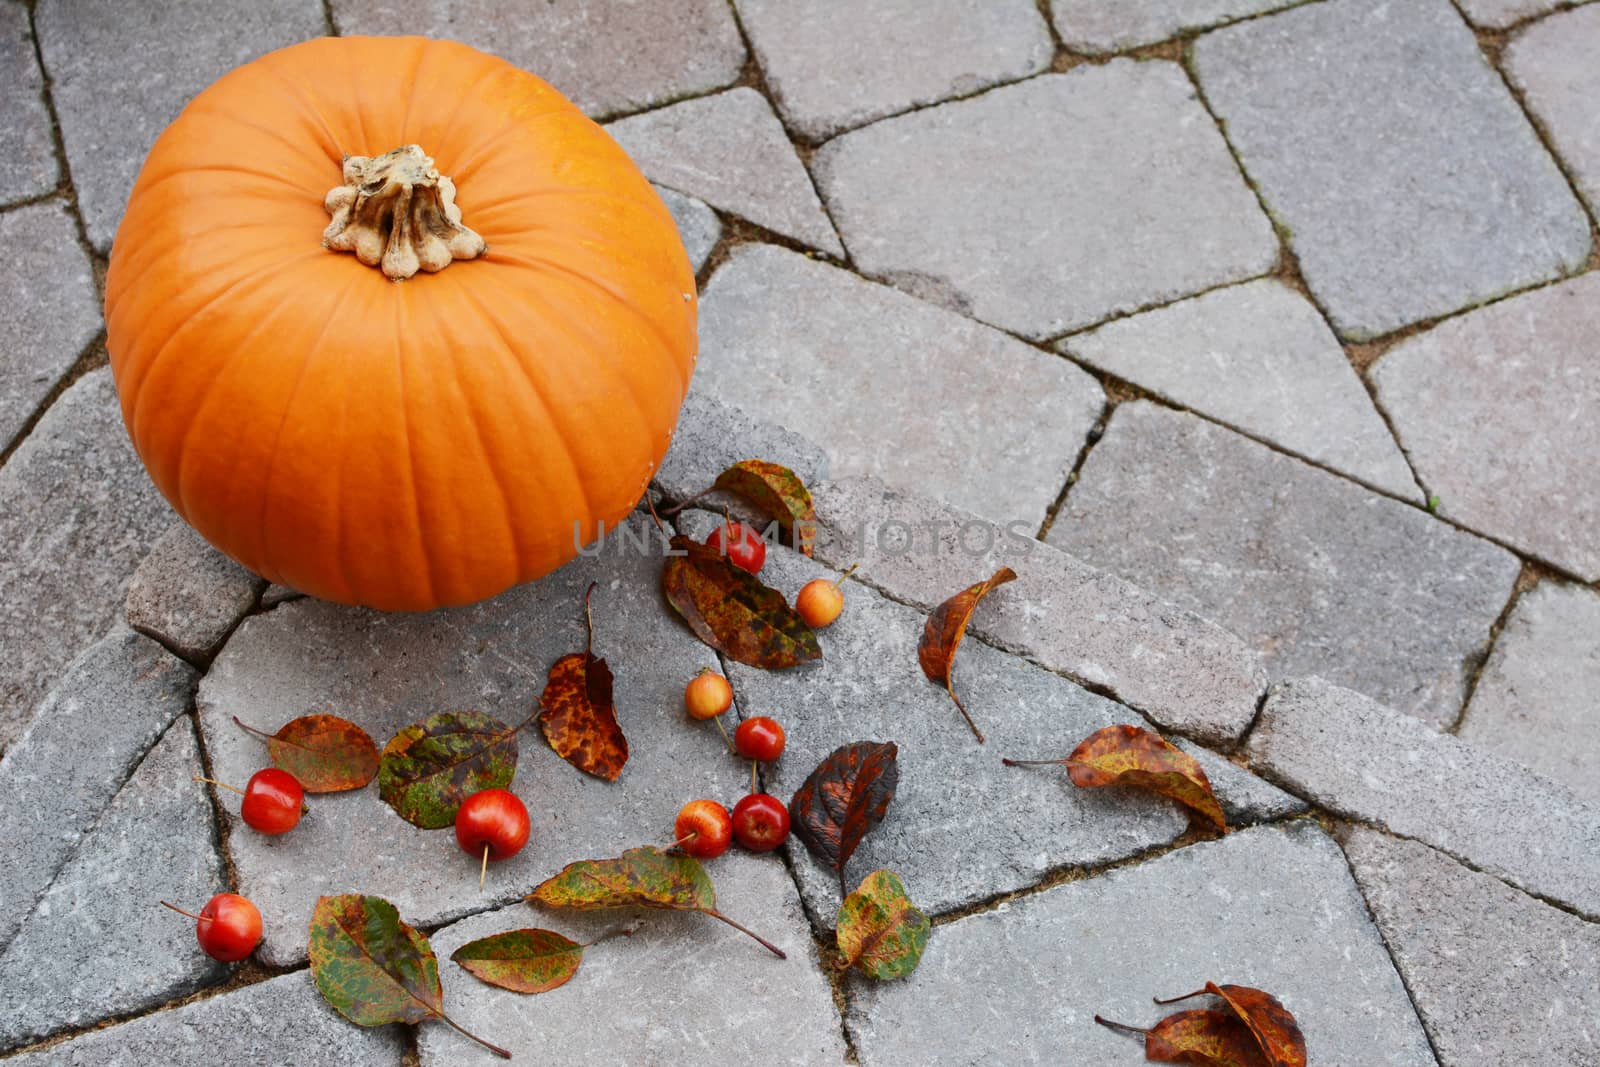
{"x":1359,"y":759}
{"x":893,"y":386}
{"x":1406,"y":178}
{"x":49,"y":310}
{"x":1053,"y":238}
{"x":1097,"y":27}
{"x":609,"y":56}
{"x":1260,"y":358}
{"x":1499,"y":411}
{"x":1553,"y":64}
{"x":1535,"y":699}
{"x":698,"y":226}
{"x":77,"y":514}
{"x":684,"y":989}
{"x":109,"y":707}
{"x":120,"y":72}
{"x":385,"y":672}
{"x":835,"y":64}
{"x":80,"y":957}
{"x":1244,"y":798}
{"x":188,"y":595}
{"x":1498,"y":14}
{"x":1183,"y":672}
{"x":282,"y":1019}
{"x":27,"y":147}
{"x":1273,"y":908}
{"x":1316,"y":573}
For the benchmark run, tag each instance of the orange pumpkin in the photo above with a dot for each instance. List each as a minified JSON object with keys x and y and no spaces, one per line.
{"x":403,"y":444}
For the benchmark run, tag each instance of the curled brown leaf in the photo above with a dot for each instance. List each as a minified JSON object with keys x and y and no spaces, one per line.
{"x":942,"y":635}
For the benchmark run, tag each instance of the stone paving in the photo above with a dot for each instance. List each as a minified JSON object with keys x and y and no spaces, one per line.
{"x":1258,"y":336}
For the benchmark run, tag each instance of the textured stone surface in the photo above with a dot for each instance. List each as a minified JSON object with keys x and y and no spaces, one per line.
{"x":834,"y":64}
{"x":1409,"y":182}
{"x":27,"y":147}
{"x":648,"y":995}
{"x":1271,"y":908}
{"x":1552,"y":63}
{"x":962,"y":828}
{"x":1360,"y":759}
{"x":730,"y":151}
{"x":1053,"y":238}
{"x":1320,"y":575}
{"x":189,"y":596}
{"x":698,"y":225}
{"x":1260,"y":358}
{"x":1535,"y":700}
{"x":77,"y":514}
{"x":122,"y":693}
{"x":609,"y":56}
{"x":1499,"y":978}
{"x":49,"y":310}
{"x":890,"y":384}
{"x":1096,"y":27}
{"x":282,"y":1019}
{"x":1496,"y":14}
{"x":1183,"y":672}
{"x":1244,"y":798}
{"x":275,"y":594}
{"x":120,"y":72}
{"x":1499,"y":411}
{"x":81,"y":957}
{"x":387,"y":671}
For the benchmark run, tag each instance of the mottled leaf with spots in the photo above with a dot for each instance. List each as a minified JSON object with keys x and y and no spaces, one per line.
{"x":430,"y":767}
{"x":326,"y":754}
{"x":779,"y":492}
{"x":880,"y":932}
{"x":732,"y":612}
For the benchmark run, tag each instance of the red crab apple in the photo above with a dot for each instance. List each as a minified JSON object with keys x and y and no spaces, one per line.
{"x":759,"y":738}
{"x":228,"y":927}
{"x":273,"y":800}
{"x":760,"y":822}
{"x":742,"y":544}
{"x":492,"y":823}
{"x":703,"y":829}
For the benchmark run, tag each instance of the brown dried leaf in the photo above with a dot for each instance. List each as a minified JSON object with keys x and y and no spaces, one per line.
{"x":1128,"y":755}
{"x":944,"y":630}
{"x":577,"y":713}
{"x":844,"y":798}
{"x":326,"y":754}
{"x":732,"y":612}
{"x":779,"y":492}
{"x":1199,"y":1038}
{"x":1274,"y":1026}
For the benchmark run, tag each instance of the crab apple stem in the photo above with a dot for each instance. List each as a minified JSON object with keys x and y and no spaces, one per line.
{"x":725,"y":738}
{"x":220,"y":785}
{"x":188,"y":914}
{"x":1122,"y":1027}
{"x":685,"y":839}
{"x":763,"y":942}
{"x":1009,"y":762}
{"x":841,"y":579}
{"x":1186,"y":996}
{"x":504,"y":1054}
{"x":753,"y":787}
{"x":483,"y":871}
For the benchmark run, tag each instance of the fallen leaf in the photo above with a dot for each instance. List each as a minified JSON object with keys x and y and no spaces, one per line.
{"x":779,"y":492}
{"x":639,"y":878}
{"x":943,"y":633}
{"x":1273,"y":1025}
{"x":577,"y":713}
{"x":880,"y":930}
{"x":374,"y":969}
{"x":326,"y":754}
{"x":1129,"y":755}
{"x":844,"y":798}
{"x":733,"y":612}
{"x":1200,"y":1038}
{"x":430,"y":767}
{"x":523,"y":961}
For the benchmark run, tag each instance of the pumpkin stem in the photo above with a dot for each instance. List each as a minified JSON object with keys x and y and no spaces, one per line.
{"x":398,"y":213}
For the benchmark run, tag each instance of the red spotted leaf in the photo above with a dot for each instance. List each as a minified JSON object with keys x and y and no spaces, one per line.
{"x":732,"y":612}
{"x":779,"y":492}
{"x":326,"y":754}
{"x":430,"y":767}
{"x":945,"y":628}
{"x":1274,"y":1026}
{"x":1129,"y":755}
{"x":1200,"y":1038}
{"x":577,"y":713}
{"x":844,"y":798}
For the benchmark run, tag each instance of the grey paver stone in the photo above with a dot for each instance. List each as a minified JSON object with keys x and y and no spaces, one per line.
{"x":1183,"y":672}
{"x":1244,"y":798}
{"x":730,"y":151}
{"x":1052,"y":238}
{"x":1408,"y":181}
{"x":81,"y":957}
{"x":1500,"y":979}
{"x":888,"y":383}
{"x":1499,"y":411}
{"x":658,"y":983}
{"x":1535,"y":700}
{"x":1357,"y":758}
{"x":1552,"y":63}
{"x":77,"y":514}
{"x":609,"y":56}
{"x":275,"y":594}
{"x":1269,"y":907}
{"x":282,"y":1018}
{"x":834,"y":64}
{"x":48,"y":308}
{"x":109,"y":707}
{"x":698,"y":225}
{"x":120,"y":72}
{"x":1319,"y":574}
{"x":188,"y":595}
{"x":385,"y":672}
{"x":962,"y":827}
{"x":1498,"y":14}
{"x":27,"y":147}
{"x":1096,"y":27}
{"x":1260,"y":358}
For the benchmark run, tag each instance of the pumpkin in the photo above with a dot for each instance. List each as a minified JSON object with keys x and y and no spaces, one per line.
{"x":393,"y":323}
